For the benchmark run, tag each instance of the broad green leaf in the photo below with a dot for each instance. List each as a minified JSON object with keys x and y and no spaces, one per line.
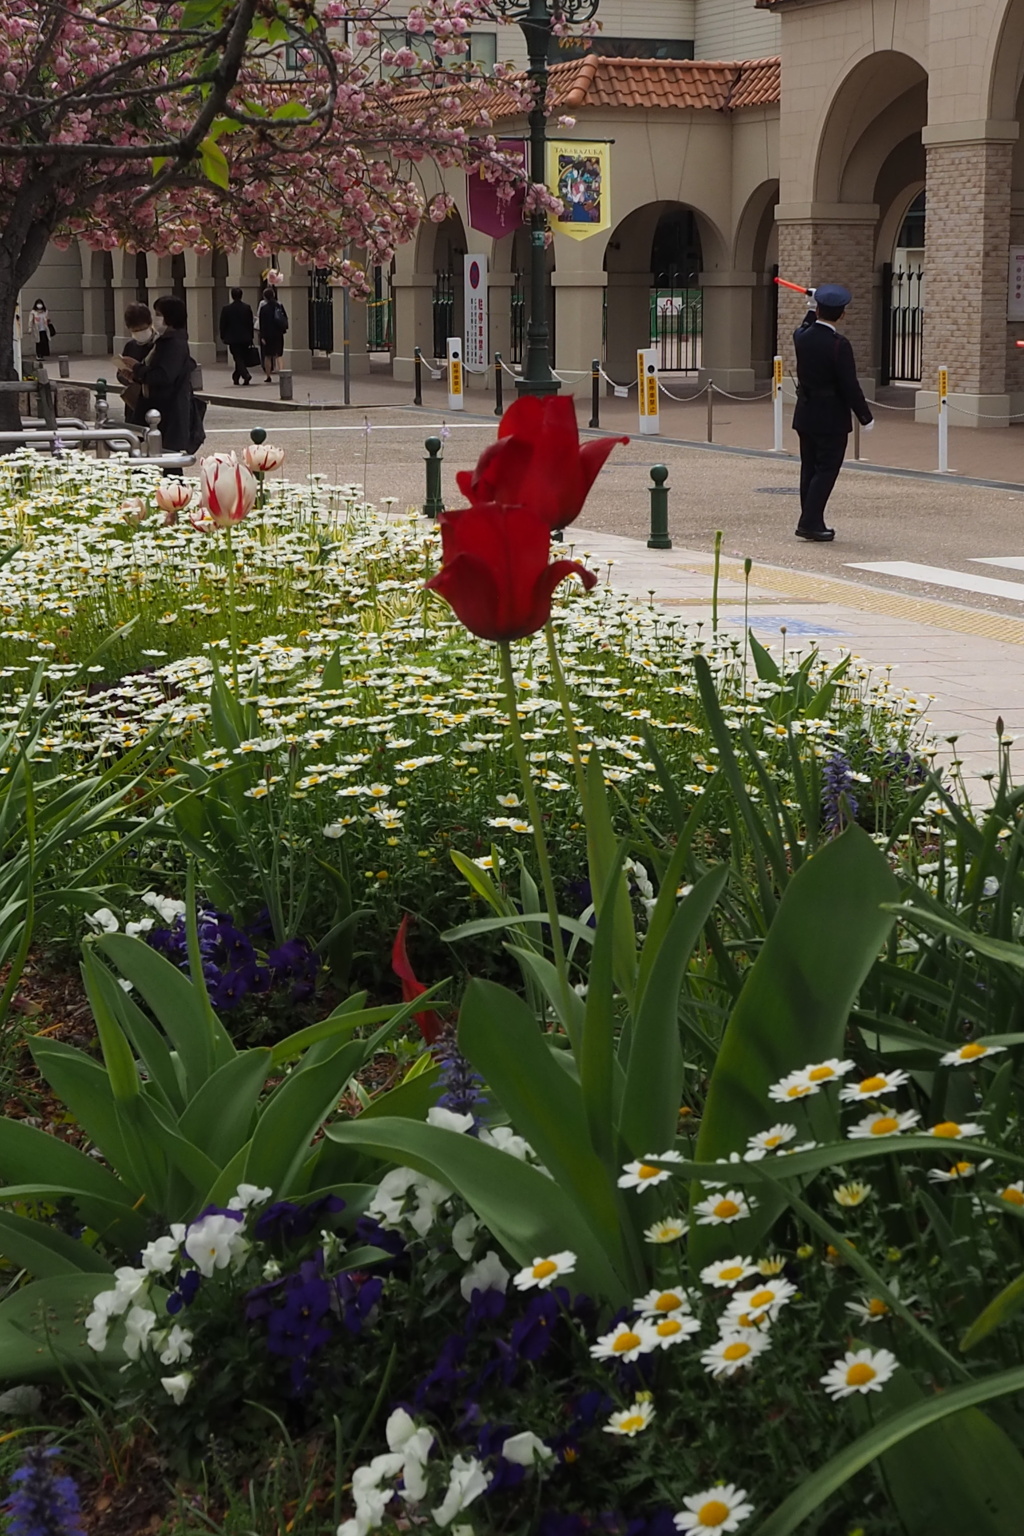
{"x":805,"y":1500}
{"x":603,"y":857}
{"x":412,"y":1098}
{"x":290,"y":110}
{"x":526,"y":1211}
{"x":158,"y":162}
{"x":500,"y":1036}
{"x":793,"y":1010}
{"x":766,"y":668}
{"x":122,"y":1073}
{"x":42,"y":1332}
{"x":654,"y":1073}
{"x":799,"y":1165}
{"x":480,"y":881}
{"x":999,"y":1311}
{"x":295,"y":1113}
{"x":146,"y":1040}
{"x":30,"y":1157}
{"x":214,"y":163}
{"x":994,"y":949}
{"x":339,"y":1024}
{"x":221,"y":1117}
{"x":595,"y":1050}
{"x":84,"y":1086}
{"x":45,"y":1250}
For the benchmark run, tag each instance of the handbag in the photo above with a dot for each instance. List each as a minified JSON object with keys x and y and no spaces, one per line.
{"x":252,"y":356}
{"x":52,"y":328}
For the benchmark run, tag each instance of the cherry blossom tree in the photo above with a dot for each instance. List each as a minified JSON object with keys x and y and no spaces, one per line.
{"x":284,"y":124}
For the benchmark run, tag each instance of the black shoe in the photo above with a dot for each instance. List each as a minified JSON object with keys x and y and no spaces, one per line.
{"x":247,"y":380}
{"x":816,"y":535}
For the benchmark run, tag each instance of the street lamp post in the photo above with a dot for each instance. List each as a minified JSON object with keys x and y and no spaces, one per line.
{"x":537,"y":19}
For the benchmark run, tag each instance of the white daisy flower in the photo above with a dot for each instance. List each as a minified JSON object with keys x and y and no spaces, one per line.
{"x":871,"y":1087}
{"x":674,"y":1329}
{"x":714,"y":1511}
{"x":717,"y":1210}
{"x":770,"y":1140}
{"x":852,"y":1194}
{"x":862,"y":1370}
{"x":885,"y":1122}
{"x":826,"y":1071}
{"x":957,"y":1172}
{"x":544,"y":1272}
{"x":1013,"y":1194}
{"x":733,"y":1351}
{"x":630,"y":1421}
{"x":668,"y":1231}
{"x":794,"y":1086}
{"x":662,"y":1303}
{"x":872,"y":1309}
{"x":642,"y":1174}
{"x":766,"y":1299}
{"x":974,"y":1050}
{"x":628,"y":1341}
{"x":952,"y":1130}
{"x":728,"y":1272}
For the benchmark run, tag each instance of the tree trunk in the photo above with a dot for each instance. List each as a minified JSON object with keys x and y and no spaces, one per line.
{"x":22,"y":247}
{"x":10,"y":418}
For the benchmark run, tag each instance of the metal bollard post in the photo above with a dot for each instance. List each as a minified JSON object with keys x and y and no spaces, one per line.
{"x":499,"y":399}
{"x":434,"y":504}
{"x":284,"y":381}
{"x":659,"y":538}
{"x":777,"y":405}
{"x":64,"y":365}
{"x":856,"y":439}
{"x":154,"y":437}
{"x":102,"y":449}
{"x":595,"y":393}
{"x":711,"y":412}
{"x":943,"y":404}
{"x":258,"y":435}
{"x":417,"y":365}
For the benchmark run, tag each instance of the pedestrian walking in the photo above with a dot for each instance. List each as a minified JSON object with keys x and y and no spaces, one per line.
{"x":237,"y":332}
{"x":42,"y":327}
{"x":166,"y":378}
{"x":827,"y":393}
{"x":138,"y":322}
{"x":272,"y":322}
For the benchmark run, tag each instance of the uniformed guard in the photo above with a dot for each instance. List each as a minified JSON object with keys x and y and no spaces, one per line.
{"x":827,"y":392}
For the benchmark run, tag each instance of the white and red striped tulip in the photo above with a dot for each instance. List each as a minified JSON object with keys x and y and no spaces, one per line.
{"x":227,"y":489}
{"x":262,"y":457}
{"x":172,"y":495}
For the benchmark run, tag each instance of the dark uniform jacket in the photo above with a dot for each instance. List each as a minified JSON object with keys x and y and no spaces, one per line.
{"x":135,"y":406}
{"x":827,"y":387}
{"x":237,"y":326}
{"x":167,"y":375}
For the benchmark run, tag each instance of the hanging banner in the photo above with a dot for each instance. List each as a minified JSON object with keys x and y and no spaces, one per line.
{"x":476,"y":357}
{"x":648,"y":396}
{"x":456,"y":402}
{"x":579,"y":173}
{"x":490,"y":214}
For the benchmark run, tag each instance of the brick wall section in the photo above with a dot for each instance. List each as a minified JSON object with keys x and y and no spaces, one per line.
{"x":967,"y":236}
{"x":830,"y":253}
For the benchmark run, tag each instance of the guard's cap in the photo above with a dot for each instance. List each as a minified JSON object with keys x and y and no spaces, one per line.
{"x":832,"y":294}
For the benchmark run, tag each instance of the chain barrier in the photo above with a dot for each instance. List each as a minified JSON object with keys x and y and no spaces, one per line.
{"x":510,"y":371}
{"x":987,"y":415}
{"x":574,"y":373}
{"x":611,"y":381}
{"x":684,"y":399}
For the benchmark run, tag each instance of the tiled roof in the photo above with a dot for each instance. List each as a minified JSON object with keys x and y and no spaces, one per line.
{"x":646,"y":84}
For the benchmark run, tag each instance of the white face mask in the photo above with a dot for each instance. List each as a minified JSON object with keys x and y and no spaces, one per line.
{"x":159,"y":325}
{"x":143,"y":336}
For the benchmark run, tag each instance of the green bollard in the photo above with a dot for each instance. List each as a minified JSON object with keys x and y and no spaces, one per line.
{"x":434,"y":504}
{"x":258,"y":435}
{"x":659,"y":538}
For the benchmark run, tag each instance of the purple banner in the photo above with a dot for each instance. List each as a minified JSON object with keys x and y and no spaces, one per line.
{"x":489,"y":213}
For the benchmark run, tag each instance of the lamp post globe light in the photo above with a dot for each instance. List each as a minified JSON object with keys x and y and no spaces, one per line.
{"x":537,"y":18}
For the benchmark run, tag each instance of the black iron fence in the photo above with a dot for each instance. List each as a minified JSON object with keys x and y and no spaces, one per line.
{"x":444,"y":311}
{"x":902,"y":324}
{"x":677,"y":326}
{"x":517,"y":318}
{"x":321,"y":310}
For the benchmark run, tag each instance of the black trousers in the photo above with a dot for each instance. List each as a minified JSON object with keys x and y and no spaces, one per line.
{"x":821,"y":459}
{"x":238,"y":356}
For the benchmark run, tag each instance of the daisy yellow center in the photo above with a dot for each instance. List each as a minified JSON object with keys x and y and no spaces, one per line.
{"x":797,"y":1090}
{"x":625,"y":1341}
{"x":821,"y":1074}
{"x":947,"y":1129}
{"x":762,"y":1298}
{"x":631,"y":1423}
{"x":877,"y":1307}
{"x":961,"y":1168}
{"x":668,"y":1301}
{"x":645,"y":1171}
{"x":1012,"y":1196}
{"x":726,"y":1208}
{"x":970,"y":1052}
{"x":746,"y":1321}
{"x":884,"y":1126}
{"x":735,"y":1351}
{"x":772,"y":1141}
{"x":735,"y":1271}
{"x":860,"y":1374}
{"x":713,"y":1513}
{"x":668,"y":1328}
{"x":872,"y":1084}
{"x":544,"y":1269}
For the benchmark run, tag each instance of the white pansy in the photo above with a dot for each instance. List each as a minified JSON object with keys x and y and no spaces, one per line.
{"x":449,"y":1120}
{"x":249,"y":1194}
{"x":164,"y":907}
{"x":177,"y":1387}
{"x":102,"y":921}
{"x":505,"y":1139}
{"x":213,"y":1242}
{"x":526,"y":1450}
{"x":414,"y":1445}
{"x":138,"y":1326}
{"x":467,"y":1482}
{"x":176,"y":1346}
{"x":464,"y":1236}
{"x":160,"y":1256}
{"x":487,"y":1274}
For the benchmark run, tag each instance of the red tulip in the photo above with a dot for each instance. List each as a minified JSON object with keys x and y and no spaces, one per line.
{"x":537,"y":461}
{"x":496,"y":572}
{"x":429,"y":1023}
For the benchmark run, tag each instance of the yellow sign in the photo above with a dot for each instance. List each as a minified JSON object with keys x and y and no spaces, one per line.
{"x":943,"y":383}
{"x":579,"y":173}
{"x":456,"y":383}
{"x":777,"y":375}
{"x":652,"y":396}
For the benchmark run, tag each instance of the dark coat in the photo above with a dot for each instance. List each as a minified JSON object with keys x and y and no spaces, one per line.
{"x":237,"y":326}
{"x":135,"y":414}
{"x":827,"y":387}
{"x":271,"y":332}
{"x":167,"y":375}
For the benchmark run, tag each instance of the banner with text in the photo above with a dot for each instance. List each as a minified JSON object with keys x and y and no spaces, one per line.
{"x":490,"y":213}
{"x":579,"y":173}
{"x":476,"y":313}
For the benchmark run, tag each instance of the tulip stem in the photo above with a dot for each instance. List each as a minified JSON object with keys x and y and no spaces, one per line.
{"x":540,"y":841}
{"x":562,"y":693}
{"x":232,"y":615}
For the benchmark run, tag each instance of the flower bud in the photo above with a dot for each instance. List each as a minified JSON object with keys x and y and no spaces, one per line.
{"x":172,"y":495}
{"x":227,"y":489}
{"x":262,"y":457}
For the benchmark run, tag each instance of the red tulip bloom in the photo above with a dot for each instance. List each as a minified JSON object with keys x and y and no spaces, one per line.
{"x":496,"y":571}
{"x":429,"y":1023}
{"x":537,"y":461}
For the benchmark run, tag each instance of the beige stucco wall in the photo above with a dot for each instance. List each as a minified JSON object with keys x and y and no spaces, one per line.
{"x":733,"y":29}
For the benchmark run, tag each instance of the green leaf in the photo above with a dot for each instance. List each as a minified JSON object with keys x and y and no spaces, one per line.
{"x":122,"y":1072}
{"x":994,"y":949}
{"x":526,"y":1211}
{"x":288,"y":111}
{"x":793,"y":1010}
{"x":214,"y":163}
{"x":295,"y":1113}
{"x":31,"y":1157}
{"x":412,"y":1098}
{"x":599,"y":1070}
{"x":45,"y":1251}
{"x":999,"y":1311}
{"x":158,"y":162}
{"x":654,"y":1073}
{"x":766,"y":667}
{"x":42,"y":1333}
{"x":83,"y":1085}
{"x":814,"y":1490}
{"x":604,"y":858}
{"x":146,"y":1040}
{"x":221,"y":1117}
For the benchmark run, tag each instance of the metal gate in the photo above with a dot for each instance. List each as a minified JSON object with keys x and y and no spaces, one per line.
{"x":380,"y":313}
{"x":902,"y":324}
{"x":444,"y":311}
{"x":321,"y":311}
{"x":677,"y":324}
{"x":517,"y":318}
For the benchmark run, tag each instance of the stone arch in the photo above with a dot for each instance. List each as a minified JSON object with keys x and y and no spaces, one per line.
{"x":1004,"y":70}
{"x":881,"y":101}
{"x":756,"y":250}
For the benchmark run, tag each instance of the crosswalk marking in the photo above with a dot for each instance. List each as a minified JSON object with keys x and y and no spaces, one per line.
{"x":940,"y":576}
{"x":1008,"y":562}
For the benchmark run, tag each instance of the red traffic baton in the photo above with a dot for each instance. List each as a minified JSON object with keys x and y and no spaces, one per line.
{"x":796,"y":287}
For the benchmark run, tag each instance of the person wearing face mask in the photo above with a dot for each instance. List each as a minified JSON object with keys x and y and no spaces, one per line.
{"x":165,"y":374}
{"x":141,"y":336}
{"x":41,"y":327}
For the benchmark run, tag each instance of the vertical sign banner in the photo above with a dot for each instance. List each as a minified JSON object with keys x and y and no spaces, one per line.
{"x":476,"y":313}
{"x":580,"y":175}
{"x":1015,"y":295}
{"x":648,"y":388}
{"x":488,"y":212}
{"x":455,"y":380}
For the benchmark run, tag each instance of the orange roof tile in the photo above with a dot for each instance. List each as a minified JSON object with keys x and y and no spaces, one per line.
{"x":644,"y":84}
